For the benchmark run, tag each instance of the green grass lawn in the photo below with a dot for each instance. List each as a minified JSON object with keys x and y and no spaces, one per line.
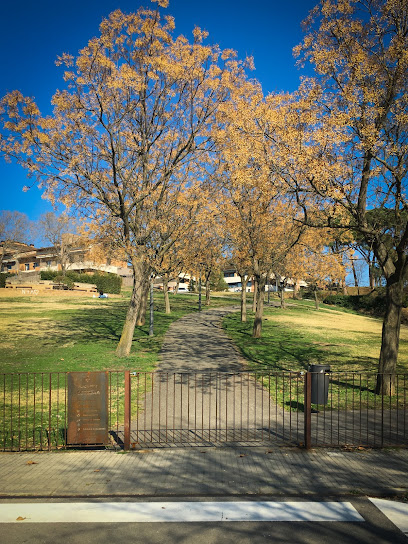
{"x":298,"y":336}
{"x":49,"y":334}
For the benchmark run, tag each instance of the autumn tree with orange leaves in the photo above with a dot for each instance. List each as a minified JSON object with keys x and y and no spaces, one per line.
{"x":355,"y":123}
{"x":127,"y":132}
{"x":258,"y":212}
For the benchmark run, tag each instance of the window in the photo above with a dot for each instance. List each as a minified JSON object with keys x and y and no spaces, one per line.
{"x":229,"y":274}
{"x":49,"y":263}
{"x":27,"y":266}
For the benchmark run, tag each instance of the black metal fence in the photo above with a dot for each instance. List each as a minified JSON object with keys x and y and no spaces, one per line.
{"x":148,"y":409}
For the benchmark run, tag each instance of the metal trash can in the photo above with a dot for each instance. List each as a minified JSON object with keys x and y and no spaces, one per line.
{"x":319,"y":383}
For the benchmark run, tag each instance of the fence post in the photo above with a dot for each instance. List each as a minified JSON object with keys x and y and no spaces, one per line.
{"x":308,"y":411}
{"x":126,"y":439}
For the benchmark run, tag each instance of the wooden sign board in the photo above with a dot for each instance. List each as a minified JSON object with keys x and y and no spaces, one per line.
{"x":88,"y":394}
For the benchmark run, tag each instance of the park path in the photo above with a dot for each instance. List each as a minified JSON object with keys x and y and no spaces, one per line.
{"x":198,"y":343}
{"x":201,"y":390}
{"x":202,"y":393}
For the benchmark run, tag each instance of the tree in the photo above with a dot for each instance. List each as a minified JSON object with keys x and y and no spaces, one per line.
{"x":128,"y":132}
{"x":204,"y":245}
{"x":243,"y":265}
{"x":357,"y":127}
{"x":169,"y":254}
{"x":258,"y":212}
{"x":14,"y":227}
{"x":58,"y":231}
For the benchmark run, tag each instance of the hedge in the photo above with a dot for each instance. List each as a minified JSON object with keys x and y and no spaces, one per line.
{"x":108,"y":283}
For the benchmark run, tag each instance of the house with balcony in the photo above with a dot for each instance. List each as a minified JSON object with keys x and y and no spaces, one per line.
{"x":25,"y":260}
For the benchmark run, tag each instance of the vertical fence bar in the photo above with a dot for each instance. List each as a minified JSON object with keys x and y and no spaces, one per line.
{"x":202,"y":406}
{"x":195,"y":407}
{"x":209,"y":406}
{"x":226,"y":406}
{"x":49,"y":412}
{"x":233,"y":405}
{"x":167,"y":403}
{"x":181,"y":407}
{"x":11,"y":411}
{"x":127,"y":415}
{"x":308,"y":411}
{"x":4,"y":412}
{"x":137,"y":406}
{"x":66,"y":408}
{"x":152,"y":403}
{"x":217,"y":389}
{"x":160,"y":401}
{"x":174,"y":407}
{"x":58,"y":407}
{"x":19,"y":412}
{"x":405,"y":405}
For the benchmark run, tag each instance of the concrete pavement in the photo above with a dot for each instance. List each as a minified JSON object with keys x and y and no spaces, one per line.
{"x":222,"y":471}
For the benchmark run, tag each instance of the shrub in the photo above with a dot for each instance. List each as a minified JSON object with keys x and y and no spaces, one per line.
{"x":48,"y":274}
{"x":108,"y":283}
{"x":3,"y":277}
{"x":374,"y":303}
{"x":65,"y":280}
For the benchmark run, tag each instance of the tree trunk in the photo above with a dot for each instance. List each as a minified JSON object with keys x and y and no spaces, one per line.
{"x":282,"y":298}
{"x":255,"y":301}
{"x":244,"y":283}
{"x":353,"y":268}
{"x":141,"y":315}
{"x":2,"y":255}
{"x":166,"y":294}
{"x":316,"y":299}
{"x":296,"y":290}
{"x":151,"y":300}
{"x":371,"y":275}
{"x":139,"y":281}
{"x":260,"y":295}
{"x":390,"y":337}
{"x":207,"y":292}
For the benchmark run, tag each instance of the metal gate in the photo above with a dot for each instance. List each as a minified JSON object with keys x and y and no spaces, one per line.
{"x":211,"y":408}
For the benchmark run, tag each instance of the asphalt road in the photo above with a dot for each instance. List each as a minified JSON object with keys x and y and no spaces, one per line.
{"x":375,"y":528}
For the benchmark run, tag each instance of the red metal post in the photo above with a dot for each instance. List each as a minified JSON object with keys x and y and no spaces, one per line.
{"x":126,"y":440}
{"x":308,"y":411}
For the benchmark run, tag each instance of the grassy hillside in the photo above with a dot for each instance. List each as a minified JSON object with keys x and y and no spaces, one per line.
{"x":301,"y":335}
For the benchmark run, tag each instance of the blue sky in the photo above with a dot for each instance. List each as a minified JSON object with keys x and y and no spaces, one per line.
{"x":32,"y":34}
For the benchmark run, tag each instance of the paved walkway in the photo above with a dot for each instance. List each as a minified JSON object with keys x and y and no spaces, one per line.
{"x":197,"y":343}
{"x":195,"y":472}
{"x":200,"y":394}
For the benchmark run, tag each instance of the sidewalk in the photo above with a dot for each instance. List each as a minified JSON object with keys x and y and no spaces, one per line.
{"x":204,"y":471}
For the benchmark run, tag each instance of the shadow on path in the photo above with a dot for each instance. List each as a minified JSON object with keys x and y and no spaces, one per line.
{"x":202,"y":393}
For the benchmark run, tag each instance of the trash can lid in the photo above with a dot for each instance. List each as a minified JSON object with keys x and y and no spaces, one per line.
{"x":318,"y":368}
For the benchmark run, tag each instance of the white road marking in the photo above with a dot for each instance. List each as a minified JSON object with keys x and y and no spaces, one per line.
{"x":395,"y":511}
{"x":137,"y":512}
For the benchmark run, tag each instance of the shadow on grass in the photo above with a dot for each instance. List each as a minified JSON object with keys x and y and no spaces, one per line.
{"x":282,"y":349}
